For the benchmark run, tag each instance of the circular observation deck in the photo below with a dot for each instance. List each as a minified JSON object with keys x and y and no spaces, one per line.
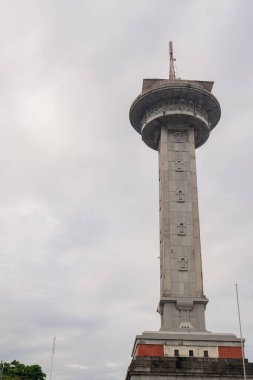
{"x":176,"y":105}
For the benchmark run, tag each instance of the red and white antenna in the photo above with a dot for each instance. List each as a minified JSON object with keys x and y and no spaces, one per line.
{"x":172,"y":74}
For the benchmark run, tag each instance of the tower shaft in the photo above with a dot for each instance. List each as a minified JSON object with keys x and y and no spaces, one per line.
{"x":182,"y":301}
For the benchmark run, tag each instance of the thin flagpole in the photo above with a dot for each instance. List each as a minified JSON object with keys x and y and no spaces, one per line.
{"x":242,"y":345}
{"x":52,"y":359}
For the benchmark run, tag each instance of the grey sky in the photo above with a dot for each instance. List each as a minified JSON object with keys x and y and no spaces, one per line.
{"x":79,"y":190}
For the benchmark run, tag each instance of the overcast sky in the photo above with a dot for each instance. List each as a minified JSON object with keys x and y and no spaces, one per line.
{"x":79,"y":234}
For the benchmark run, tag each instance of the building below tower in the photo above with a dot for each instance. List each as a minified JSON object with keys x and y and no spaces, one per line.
{"x":182,"y":368}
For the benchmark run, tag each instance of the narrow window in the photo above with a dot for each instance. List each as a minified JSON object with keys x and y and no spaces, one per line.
{"x":179,"y":166}
{"x":205,"y":354}
{"x":191,"y":106}
{"x":176,"y":352}
{"x":190,"y":352}
{"x":182,"y":104}
{"x":181,"y":229}
{"x":182,"y":265}
{"x":180,"y":196}
{"x":178,"y":137}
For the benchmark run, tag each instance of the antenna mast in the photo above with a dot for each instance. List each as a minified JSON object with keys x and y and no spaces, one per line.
{"x":172,"y":74}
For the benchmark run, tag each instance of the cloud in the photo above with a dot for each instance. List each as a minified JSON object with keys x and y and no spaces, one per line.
{"x":77,"y":366}
{"x":79,"y":224}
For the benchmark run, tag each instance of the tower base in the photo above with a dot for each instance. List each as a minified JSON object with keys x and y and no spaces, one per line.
{"x":184,"y":355}
{"x":154,"y":368}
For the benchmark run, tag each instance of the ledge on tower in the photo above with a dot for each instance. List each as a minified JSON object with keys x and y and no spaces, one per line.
{"x":150,"y":84}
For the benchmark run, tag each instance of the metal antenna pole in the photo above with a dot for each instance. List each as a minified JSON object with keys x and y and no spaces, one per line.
{"x":172,"y":74}
{"x":52,"y":359}
{"x":242,"y":345}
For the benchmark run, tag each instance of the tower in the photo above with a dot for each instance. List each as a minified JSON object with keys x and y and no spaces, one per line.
{"x":175,"y":117}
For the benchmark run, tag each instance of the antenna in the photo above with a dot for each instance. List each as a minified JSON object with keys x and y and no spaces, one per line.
{"x":242,"y":345}
{"x":172,"y":74}
{"x":52,"y":359}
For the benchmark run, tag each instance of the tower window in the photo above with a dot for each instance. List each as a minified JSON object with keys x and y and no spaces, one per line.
{"x":191,"y":106}
{"x":190,"y":352}
{"x":205,"y":354}
{"x":181,"y":229}
{"x":183,"y":263}
{"x":179,"y":166}
{"x":176,"y":352}
{"x":182,"y":104}
{"x":178,"y":137}
{"x":180,"y":196}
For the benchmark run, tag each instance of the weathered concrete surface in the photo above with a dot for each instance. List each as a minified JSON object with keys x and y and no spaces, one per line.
{"x":164,"y":102}
{"x":182,"y":303}
{"x":201,"y":339}
{"x":175,"y":117}
{"x":150,"y":368}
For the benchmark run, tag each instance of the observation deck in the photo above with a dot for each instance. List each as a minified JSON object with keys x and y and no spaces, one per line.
{"x":181,"y":104}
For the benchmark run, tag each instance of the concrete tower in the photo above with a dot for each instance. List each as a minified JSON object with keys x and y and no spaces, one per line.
{"x":174,"y":117}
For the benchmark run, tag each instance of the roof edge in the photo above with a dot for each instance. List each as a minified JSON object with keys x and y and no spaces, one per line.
{"x":150,"y":84}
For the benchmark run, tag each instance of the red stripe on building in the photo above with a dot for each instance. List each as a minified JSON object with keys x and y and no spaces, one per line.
{"x":230,"y":352}
{"x":149,"y":350}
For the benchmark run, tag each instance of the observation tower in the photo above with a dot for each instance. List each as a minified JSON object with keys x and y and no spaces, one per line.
{"x":175,"y":117}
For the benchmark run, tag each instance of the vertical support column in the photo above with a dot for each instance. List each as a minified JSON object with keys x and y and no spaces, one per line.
{"x":182,"y":302}
{"x":195,"y":214}
{"x":165,"y":254}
